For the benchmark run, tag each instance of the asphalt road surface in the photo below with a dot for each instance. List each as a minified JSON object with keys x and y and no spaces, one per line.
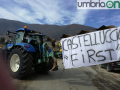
{"x":83,"y":78}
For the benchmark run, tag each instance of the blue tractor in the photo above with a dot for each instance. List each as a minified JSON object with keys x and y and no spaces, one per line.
{"x":29,"y":50}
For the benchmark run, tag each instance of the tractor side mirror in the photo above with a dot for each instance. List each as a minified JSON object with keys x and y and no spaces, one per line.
{"x":8,"y":32}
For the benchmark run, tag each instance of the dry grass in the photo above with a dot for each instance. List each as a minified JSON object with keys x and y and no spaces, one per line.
{"x":2,"y":46}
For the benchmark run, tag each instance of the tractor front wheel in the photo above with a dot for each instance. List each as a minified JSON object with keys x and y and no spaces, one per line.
{"x":19,"y":63}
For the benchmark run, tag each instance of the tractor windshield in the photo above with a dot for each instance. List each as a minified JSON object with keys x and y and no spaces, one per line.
{"x":38,"y":39}
{"x":19,"y":37}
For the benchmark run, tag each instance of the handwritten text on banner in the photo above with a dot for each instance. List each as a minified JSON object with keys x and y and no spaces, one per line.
{"x":91,"y":48}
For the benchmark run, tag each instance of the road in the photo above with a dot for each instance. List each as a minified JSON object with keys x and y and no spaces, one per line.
{"x":83,"y":78}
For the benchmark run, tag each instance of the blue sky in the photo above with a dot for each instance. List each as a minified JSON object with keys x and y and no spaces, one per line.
{"x":56,"y":12}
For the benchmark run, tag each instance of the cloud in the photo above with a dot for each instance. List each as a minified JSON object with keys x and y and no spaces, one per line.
{"x":17,"y":14}
{"x":79,"y":17}
{"x":102,"y":20}
{"x":44,"y":12}
{"x":113,"y":19}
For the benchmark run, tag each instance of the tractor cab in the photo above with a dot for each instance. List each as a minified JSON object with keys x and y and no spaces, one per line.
{"x":24,"y":35}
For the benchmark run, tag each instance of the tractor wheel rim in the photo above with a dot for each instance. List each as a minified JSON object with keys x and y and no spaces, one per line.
{"x":15,"y":63}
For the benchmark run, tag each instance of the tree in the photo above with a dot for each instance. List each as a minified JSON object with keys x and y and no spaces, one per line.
{"x":2,"y":40}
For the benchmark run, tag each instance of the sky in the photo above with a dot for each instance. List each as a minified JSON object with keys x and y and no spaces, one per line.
{"x":57,"y":12}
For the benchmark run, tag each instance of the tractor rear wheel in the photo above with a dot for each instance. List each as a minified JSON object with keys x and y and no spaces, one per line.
{"x":19,"y":63}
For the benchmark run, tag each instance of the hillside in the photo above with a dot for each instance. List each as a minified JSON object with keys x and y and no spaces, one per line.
{"x":53,"y":31}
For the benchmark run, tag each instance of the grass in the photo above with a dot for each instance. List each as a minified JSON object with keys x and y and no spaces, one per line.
{"x":2,"y":46}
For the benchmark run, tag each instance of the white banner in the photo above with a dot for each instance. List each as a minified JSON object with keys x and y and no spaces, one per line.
{"x":91,"y":48}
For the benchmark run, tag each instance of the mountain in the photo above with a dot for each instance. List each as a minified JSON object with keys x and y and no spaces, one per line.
{"x":53,"y":31}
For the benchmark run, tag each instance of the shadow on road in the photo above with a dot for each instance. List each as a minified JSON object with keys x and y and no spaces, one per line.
{"x":70,"y":76}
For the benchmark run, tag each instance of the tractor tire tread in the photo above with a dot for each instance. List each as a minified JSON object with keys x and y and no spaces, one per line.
{"x":26,"y":67}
